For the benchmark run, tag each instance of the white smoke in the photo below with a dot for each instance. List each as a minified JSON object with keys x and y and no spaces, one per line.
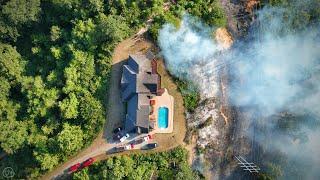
{"x":276,"y":71}
{"x":190,"y":53}
{"x":271,"y":70}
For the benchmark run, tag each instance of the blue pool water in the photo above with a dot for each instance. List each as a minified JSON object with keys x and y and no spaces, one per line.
{"x":163,"y":117}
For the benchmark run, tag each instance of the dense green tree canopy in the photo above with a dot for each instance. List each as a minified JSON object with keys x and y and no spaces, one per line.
{"x":11,"y":63}
{"x":112,"y":28}
{"x":70,"y":139}
{"x":164,"y":165}
{"x":40,"y":98}
{"x":47,"y":161}
{"x":14,"y":14}
{"x":55,"y":61}
{"x":69,"y":106}
{"x":13,"y":135}
{"x":21,"y":11}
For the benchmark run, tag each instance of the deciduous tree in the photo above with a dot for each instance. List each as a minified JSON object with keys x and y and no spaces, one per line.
{"x":14,"y":14}
{"x":70,"y":139}
{"x":13,"y":135}
{"x":69,"y":106}
{"x":11,"y":63}
{"x":47,"y":161}
{"x":40,"y":99}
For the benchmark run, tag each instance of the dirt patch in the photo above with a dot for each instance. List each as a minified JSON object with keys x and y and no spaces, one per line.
{"x":224,"y":99}
{"x":251,"y":4}
{"x":224,"y":38}
{"x":191,"y":147}
{"x":169,"y":141}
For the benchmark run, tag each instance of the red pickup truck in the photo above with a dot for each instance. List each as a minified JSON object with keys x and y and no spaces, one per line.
{"x":87,"y":163}
{"x":79,"y":166}
{"x":74,"y":168}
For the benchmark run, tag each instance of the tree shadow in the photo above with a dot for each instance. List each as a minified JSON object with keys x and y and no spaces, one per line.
{"x":63,"y":176}
{"x":115,"y":107}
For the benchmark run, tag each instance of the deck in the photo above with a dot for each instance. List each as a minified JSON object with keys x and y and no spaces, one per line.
{"x":164,"y":100}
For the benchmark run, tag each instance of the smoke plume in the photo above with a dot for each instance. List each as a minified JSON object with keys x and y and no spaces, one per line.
{"x":277,"y":71}
{"x":190,"y":53}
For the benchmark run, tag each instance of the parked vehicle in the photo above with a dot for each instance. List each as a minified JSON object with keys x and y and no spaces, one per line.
{"x":123,"y":148}
{"x":138,"y":141}
{"x":123,"y":138}
{"x":118,"y":149}
{"x":143,"y":139}
{"x":117,"y":133}
{"x":151,"y":146}
{"x":129,"y":147}
{"x":147,"y":138}
{"x":117,"y":136}
{"x":87,"y":163}
{"x":117,"y":130}
{"x":79,"y":166}
{"x":74,"y":168}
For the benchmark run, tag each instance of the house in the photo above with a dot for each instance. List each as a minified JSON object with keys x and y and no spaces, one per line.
{"x":140,"y":84}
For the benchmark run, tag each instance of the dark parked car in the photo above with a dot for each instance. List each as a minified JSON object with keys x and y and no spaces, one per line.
{"x":74,"y":168}
{"x":117,"y":133}
{"x":150,"y":146}
{"x":117,"y":130}
{"x":87,"y":163}
{"x":117,"y":136}
{"x":118,"y":149}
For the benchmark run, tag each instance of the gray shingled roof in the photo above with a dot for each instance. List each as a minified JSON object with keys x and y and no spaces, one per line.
{"x":137,"y":86}
{"x":137,"y":112}
{"x":143,"y":116}
{"x":128,"y":82}
{"x":140,"y":61}
{"x":130,"y":122}
{"x":144,"y":80}
{"x":132,"y":63}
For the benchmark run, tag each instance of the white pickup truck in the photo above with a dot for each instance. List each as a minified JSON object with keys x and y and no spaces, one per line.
{"x":123,"y":138}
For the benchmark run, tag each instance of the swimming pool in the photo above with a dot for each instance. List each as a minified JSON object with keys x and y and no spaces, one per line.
{"x":163,"y":117}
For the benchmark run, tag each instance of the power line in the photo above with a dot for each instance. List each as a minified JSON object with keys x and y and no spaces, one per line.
{"x":247,"y":166}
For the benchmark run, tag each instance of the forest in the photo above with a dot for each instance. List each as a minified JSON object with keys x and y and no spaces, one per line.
{"x":55,"y":60}
{"x":164,"y":165}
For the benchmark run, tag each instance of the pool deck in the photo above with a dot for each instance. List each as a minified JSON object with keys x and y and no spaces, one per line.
{"x":165,"y":100}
